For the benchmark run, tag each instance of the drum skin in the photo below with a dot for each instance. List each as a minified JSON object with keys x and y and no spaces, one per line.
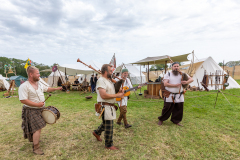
{"x":51,"y":114}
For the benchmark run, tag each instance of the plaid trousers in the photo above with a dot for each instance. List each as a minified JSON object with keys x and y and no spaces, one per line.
{"x":107,"y":126}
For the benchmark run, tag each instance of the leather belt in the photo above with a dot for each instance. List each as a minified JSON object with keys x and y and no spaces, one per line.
{"x":105,"y":103}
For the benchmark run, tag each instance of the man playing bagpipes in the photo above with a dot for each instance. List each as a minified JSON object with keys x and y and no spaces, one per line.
{"x":106,"y":98}
{"x":173,"y":95}
{"x":32,"y":96}
{"x":123,"y":102}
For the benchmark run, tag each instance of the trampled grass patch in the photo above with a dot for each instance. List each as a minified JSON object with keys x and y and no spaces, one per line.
{"x":208,"y":132}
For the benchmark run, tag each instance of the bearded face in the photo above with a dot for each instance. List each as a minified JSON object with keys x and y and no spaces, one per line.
{"x":36,"y":75}
{"x":175,"y":69}
{"x":175,"y":72}
{"x":109,"y":72}
{"x":109,"y":75}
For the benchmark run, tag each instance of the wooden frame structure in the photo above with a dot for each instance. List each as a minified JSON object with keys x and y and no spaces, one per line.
{"x":153,"y":88}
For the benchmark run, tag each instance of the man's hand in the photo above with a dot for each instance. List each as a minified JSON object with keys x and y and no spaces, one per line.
{"x":139,"y":87}
{"x":184,"y":82}
{"x":40,"y":104}
{"x":178,"y":85}
{"x":120,"y":95}
{"x":59,"y":88}
{"x":120,"y":90}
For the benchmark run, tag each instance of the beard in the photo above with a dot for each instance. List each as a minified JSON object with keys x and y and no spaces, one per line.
{"x":175,"y":72}
{"x":109,"y":76}
{"x":35,"y":79}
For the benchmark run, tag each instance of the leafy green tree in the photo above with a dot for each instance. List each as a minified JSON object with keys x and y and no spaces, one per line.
{"x":220,"y":63}
{"x":233,"y":63}
{"x":18,"y":65}
{"x":157,"y":67}
{"x":161,"y":66}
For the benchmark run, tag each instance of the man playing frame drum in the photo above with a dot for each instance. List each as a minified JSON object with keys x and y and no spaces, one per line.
{"x":106,"y":98}
{"x":31,"y":95}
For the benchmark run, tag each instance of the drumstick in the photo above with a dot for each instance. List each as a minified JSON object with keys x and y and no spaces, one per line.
{"x":101,"y":113}
{"x":47,"y":97}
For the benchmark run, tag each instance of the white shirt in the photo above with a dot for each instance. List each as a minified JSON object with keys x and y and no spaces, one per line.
{"x":128,"y":84}
{"x":174,"y":80}
{"x":27,"y":92}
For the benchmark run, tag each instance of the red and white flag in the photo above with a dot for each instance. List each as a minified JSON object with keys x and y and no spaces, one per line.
{"x":113,"y":62}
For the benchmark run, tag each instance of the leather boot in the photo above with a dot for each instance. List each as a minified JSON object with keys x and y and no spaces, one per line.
{"x":37,"y":150}
{"x":128,"y":126}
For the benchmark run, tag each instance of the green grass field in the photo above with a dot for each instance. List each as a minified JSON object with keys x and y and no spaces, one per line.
{"x":208,"y":132}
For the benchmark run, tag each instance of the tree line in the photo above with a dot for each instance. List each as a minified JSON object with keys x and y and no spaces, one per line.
{"x":18,"y":65}
{"x":230,"y":63}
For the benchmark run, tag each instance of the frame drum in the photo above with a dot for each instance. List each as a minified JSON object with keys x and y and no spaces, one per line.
{"x":51,"y":114}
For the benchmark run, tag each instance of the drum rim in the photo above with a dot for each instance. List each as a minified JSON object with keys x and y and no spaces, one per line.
{"x":57,"y":110}
{"x":52,"y":113}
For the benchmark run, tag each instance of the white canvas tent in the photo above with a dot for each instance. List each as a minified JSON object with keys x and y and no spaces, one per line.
{"x":134,"y":73}
{"x":210,"y":66}
{"x":54,"y":77}
{"x":4,"y":83}
{"x":77,"y":68}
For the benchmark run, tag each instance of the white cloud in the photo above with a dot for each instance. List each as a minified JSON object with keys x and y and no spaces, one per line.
{"x":62,"y":31}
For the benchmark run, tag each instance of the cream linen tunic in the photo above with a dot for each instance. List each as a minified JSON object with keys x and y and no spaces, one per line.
{"x":110,"y":112}
{"x":27,"y":92}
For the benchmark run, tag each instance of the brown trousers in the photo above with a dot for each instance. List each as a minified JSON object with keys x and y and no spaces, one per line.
{"x":123,"y":112}
{"x":175,"y":109}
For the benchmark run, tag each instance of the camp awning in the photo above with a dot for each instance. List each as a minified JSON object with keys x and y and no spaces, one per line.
{"x":162,"y":59}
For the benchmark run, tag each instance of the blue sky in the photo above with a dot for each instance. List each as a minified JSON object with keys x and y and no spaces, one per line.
{"x":61,"y":31}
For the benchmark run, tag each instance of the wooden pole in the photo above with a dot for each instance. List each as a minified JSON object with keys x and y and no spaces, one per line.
{"x":216,"y":99}
{"x":141,"y":78}
{"x":148,"y":71}
{"x":165,"y":67}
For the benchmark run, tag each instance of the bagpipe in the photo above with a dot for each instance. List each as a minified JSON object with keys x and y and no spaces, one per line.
{"x":117,"y":84}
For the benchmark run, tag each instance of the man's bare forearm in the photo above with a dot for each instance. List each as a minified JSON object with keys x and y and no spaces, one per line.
{"x":53,"y":89}
{"x":30,"y":103}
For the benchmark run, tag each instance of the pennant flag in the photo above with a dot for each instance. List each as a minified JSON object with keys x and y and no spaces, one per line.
{"x":28,"y":63}
{"x":113,"y":61}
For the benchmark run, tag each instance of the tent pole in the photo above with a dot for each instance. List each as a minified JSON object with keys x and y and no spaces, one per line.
{"x":65,"y":74}
{"x":141,"y":78}
{"x":165,"y":67}
{"x":148,"y":71}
